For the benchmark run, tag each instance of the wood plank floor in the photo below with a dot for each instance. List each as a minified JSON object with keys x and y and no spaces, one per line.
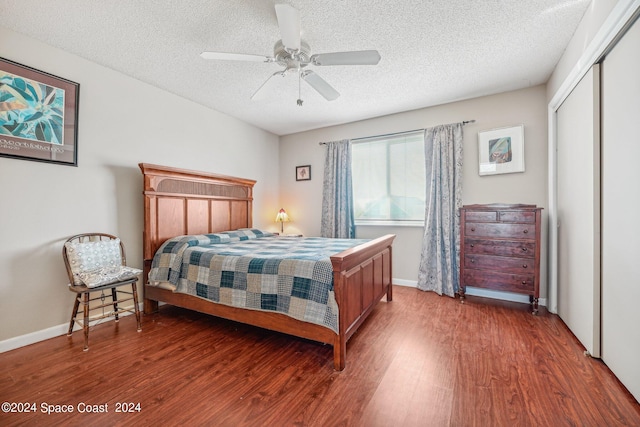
{"x":421,"y":360}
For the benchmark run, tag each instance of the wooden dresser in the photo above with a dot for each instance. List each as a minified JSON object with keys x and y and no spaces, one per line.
{"x":500,"y":249}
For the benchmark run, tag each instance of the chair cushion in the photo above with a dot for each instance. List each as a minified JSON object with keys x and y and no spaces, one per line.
{"x":87,"y":256}
{"x":107,"y":275}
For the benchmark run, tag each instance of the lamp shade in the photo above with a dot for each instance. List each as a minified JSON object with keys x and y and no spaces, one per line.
{"x":282,"y":217}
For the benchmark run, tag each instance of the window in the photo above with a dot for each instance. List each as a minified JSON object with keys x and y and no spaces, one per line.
{"x":389,"y":179}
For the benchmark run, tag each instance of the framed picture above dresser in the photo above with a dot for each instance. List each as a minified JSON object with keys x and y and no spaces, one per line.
{"x":500,"y":249}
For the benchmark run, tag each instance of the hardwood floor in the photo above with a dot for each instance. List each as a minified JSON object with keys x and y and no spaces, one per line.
{"x":435,"y":362}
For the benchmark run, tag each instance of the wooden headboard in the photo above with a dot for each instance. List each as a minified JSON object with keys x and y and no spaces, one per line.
{"x":180,"y":201}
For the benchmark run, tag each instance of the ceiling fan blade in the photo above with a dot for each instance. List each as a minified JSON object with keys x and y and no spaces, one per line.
{"x":359,"y":57}
{"x":261,"y":93}
{"x":289,"y":23}
{"x":320,"y":85}
{"x":235,"y":57}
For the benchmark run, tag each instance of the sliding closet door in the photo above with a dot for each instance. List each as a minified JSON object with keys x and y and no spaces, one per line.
{"x":621,"y":210}
{"x":578,"y":210}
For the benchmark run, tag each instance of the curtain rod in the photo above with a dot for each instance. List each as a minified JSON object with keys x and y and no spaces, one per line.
{"x":398,"y":133}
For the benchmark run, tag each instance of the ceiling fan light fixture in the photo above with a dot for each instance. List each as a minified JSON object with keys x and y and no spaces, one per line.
{"x":286,"y":58}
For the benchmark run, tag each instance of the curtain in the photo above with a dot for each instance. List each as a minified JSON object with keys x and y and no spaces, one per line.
{"x":439,"y":257}
{"x":337,"y":192}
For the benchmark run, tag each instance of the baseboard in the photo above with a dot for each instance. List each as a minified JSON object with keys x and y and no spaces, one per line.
{"x":45,"y":334}
{"x":408,"y":283}
{"x":479,"y":292}
{"x":505,"y":296}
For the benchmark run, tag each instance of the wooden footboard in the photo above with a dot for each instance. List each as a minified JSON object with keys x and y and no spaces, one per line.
{"x":178,"y":202}
{"x":361,"y":276}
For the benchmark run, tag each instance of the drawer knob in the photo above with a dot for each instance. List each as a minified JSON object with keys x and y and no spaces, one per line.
{"x":473,"y":229}
{"x":473,"y":260}
{"x":524,"y":249}
{"x":524,"y":282}
{"x":525,"y":231}
{"x":472,"y":245}
{"x":524,"y":265}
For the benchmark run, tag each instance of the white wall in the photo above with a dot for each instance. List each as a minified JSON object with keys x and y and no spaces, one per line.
{"x":303,"y":199}
{"x":122,"y":122}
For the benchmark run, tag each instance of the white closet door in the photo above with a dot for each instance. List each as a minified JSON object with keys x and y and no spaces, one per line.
{"x":621,"y":210}
{"x":578,"y":210}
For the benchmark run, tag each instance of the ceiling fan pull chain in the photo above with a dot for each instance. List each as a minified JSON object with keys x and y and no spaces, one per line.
{"x":300,"y":101}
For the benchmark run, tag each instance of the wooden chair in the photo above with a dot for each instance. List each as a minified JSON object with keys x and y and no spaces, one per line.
{"x":77,"y":266}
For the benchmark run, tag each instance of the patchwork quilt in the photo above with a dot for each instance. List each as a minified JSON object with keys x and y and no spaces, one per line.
{"x":256,"y":270}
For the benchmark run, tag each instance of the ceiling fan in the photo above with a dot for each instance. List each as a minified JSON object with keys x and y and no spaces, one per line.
{"x":295,"y":55}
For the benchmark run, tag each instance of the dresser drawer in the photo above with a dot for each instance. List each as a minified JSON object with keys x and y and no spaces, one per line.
{"x":517,"y":216}
{"x":482,"y":216}
{"x":500,"y":230}
{"x":523,"y":248}
{"x":500,"y":263}
{"x":520,"y":283}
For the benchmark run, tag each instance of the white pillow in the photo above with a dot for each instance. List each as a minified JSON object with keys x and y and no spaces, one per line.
{"x":106,"y":275}
{"x":88,"y":256}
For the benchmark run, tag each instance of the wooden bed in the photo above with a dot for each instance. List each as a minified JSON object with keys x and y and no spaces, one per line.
{"x":179,"y":202}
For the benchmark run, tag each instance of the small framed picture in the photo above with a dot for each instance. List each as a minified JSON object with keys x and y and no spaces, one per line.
{"x":303,"y":173}
{"x":501,"y":150}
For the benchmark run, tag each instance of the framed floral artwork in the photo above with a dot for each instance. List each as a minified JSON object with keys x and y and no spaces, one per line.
{"x":38,"y":115}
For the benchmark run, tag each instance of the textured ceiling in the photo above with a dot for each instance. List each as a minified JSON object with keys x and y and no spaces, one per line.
{"x":433,"y":51}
